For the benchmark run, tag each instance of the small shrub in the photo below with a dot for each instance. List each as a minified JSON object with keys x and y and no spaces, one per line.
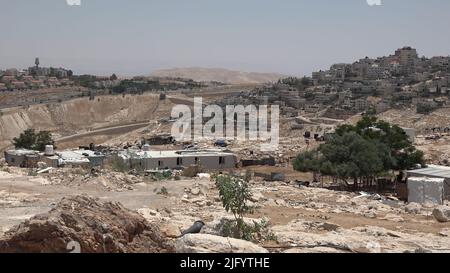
{"x":163,"y":191}
{"x":256,"y":231}
{"x":235,"y":195}
{"x":118,"y":165}
{"x":165,"y":175}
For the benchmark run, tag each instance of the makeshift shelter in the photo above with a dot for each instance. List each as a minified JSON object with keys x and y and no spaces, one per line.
{"x":21,"y":157}
{"x":433,"y":181}
{"x":426,"y":190}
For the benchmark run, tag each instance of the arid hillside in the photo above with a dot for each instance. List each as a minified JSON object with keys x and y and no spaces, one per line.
{"x":77,"y":116}
{"x":409,"y":118}
{"x":219,"y":75}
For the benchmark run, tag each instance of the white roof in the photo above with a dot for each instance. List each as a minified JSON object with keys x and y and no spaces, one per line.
{"x":72,"y":156}
{"x":172,"y":154}
{"x":432,"y":171}
{"x":88,"y":153}
{"x":21,"y":152}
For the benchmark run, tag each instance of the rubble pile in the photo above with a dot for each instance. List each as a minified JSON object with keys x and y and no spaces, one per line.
{"x":95,"y":226}
{"x":301,"y":236}
{"x":15,"y":199}
{"x":111,"y":181}
{"x":291,"y":217}
{"x":283,"y":154}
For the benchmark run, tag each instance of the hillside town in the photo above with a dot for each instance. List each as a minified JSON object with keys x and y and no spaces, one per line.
{"x":377,"y":84}
{"x":34,"y":77}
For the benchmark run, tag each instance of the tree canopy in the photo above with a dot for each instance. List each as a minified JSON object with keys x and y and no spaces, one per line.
{"x":369,"y":149}
{"x":31,"y":140}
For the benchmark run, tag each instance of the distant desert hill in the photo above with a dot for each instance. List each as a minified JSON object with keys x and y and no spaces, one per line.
{"x":218,"y":75}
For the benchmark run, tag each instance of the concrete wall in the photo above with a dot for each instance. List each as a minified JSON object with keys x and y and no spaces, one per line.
{"x":206,"y":162}
{"x":14,"y":160}
{"x":426,"y":190}
{"x":447,"y":189}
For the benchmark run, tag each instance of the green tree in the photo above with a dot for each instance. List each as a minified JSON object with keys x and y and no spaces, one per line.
{"x":29,"y":139}
{"x":43,"y":138}
{"x":235,"y":195}
{"x":404,"y":154}
{"x":308,"y":162}
{"x":352,"y":156}
{"x":26,"y":140}
{"x":362,"y":152}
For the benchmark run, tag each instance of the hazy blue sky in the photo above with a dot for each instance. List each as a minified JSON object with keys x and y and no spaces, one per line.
{"x":287,"y":36}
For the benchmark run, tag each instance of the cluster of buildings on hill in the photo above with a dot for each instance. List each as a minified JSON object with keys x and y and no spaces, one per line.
{"x":35,"y":77}
{"x":398,"y":80}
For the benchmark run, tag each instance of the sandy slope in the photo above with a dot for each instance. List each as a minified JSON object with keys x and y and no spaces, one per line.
{"x":219,"y":75}
{"x":76,"y":116}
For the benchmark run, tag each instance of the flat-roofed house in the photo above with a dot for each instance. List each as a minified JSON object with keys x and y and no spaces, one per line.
{"x":80,"y":158}
{"x":8,"y":79}
{"x":53,"y":81}
{"x":19,"y":85}
{"x":27,"y":79}
{"x":21,"y":158}
{"x":154,"y":160}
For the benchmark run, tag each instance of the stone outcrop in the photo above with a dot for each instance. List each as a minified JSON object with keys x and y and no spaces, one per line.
{"x":442,"y":214}
{"x":206,"y":243}
{"x":87,"y":225}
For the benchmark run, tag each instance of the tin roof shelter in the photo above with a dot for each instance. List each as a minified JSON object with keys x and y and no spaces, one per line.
{"x":431,"y":171}
{"x":434,"y":171}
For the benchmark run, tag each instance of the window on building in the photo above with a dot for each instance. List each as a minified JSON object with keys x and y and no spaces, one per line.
{"x":160,"y":164}
{"x":179,"y":161}
{"x":196,"y":161}
{"x":221,"y":160}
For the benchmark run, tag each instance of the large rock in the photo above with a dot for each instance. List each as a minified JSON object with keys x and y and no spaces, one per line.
{"x":206,"y":243}
{"x":393,"y":218}
{"x":257,"y":197}
{"x":413,"y":208}
{"x":314,"y":250}
{"x":170,"y":230}
{"x":94,"y":226}
{"x":192,"y":171}
{"x":442,"y":214}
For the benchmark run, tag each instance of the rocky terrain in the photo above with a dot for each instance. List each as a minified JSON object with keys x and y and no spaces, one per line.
{"x":87,"y":224}
{"x":411,"y":119}
{"x":293,"y":218}
{"x":109,"y":211}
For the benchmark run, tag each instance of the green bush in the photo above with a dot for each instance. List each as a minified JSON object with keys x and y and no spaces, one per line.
{"x":31,"y":140}
{"x":235,"y":195}
{"x":165,"y":175}
{"x":163,"y":191}
{"x":250,"y":232}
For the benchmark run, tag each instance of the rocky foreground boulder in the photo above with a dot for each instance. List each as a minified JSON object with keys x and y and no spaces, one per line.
{"x":87,"y":225}
{"x":206,"y":243}
{"x":442,"y":214}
